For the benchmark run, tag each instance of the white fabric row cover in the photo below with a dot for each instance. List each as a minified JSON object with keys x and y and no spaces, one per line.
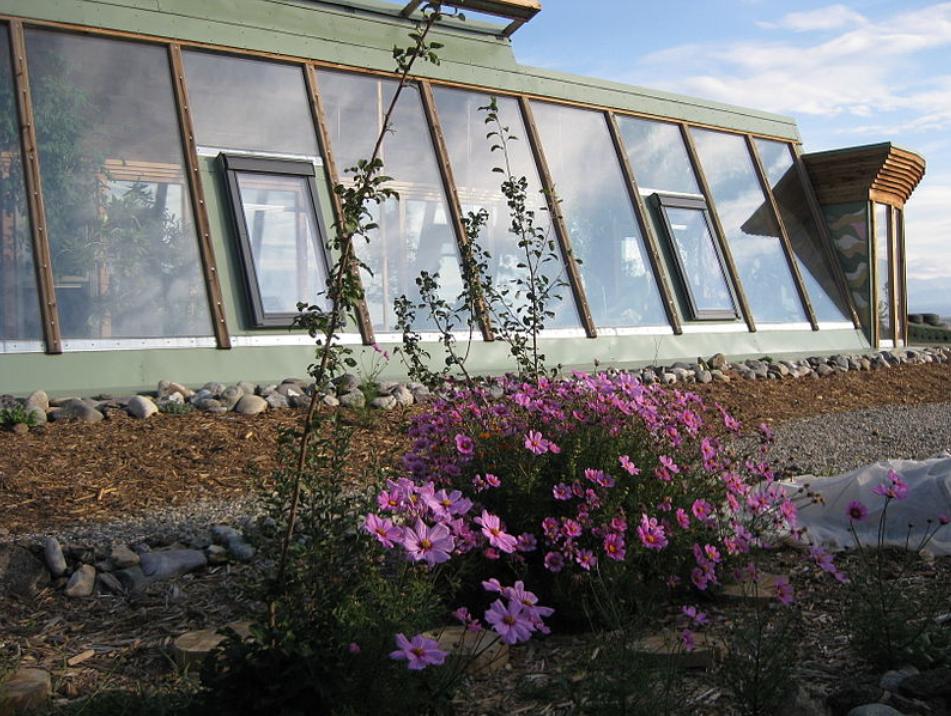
{"x":928,"y":496}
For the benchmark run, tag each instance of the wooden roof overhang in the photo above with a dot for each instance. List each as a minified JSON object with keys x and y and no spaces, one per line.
{"x":876,"y":172}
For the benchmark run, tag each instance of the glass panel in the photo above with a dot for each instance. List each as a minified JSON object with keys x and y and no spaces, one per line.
{"x":470,"y":153}
{"x":19,"y":303}
{"x":658,"y":156}
{"x":124,"y":249}
{"x":883,"y":268}
{"x":414,"y":232}
{"x":790,"y":196}
{"x":616,"y":272}
{"x":256,"y":105}
{"x":699,"y":261}
{"x":750,"y":227}
{"x":285,"y":244}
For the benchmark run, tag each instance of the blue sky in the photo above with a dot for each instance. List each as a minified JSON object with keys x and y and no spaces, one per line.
{"x":850,"y":73}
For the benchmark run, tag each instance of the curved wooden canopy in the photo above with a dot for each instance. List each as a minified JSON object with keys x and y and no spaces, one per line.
{"x":877,"y":172}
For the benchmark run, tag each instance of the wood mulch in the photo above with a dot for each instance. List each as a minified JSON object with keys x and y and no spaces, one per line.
{"x":69,"y":474}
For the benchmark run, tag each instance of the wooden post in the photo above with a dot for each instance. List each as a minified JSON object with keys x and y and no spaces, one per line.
{"x":452,"y":198}
{"x":825,"y":238}
{"x":364,"y":323}
{"x":647,"y":231}
{"x":197,"y":194}
{"x":784,"y":235}
{"x":43,"y":265}
{"x":721,"y":236}
{"x":558,"y":222}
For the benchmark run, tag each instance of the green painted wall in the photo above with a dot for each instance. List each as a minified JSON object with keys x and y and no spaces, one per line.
{"x":86,"y":373}
{"x":308,"y":29}
{"x":849,"y":227}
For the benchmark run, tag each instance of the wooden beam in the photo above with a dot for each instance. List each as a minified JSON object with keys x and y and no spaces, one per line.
{"x":197,"y":194}
{"x":452,"y":199}
{"x":784,"y":235}
{"x":647,"y":230}
{"x":364,"y":322}
{"x":557,"y":220}
{"x":721,"y":235}
{"x":825,"y":237}
{"x":43,"y":265}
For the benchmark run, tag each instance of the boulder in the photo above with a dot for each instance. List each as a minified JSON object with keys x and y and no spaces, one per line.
{"x":76,"y":409}
{"x":141,"y":407}
{"x":166,"y":564}
{"x":53,"y":554}
{"x":123,"y":557}
{"x":231,"y":396}
{"x":82,"y":582}
{"x":251,"y":405}
{"x":383,"y":402}
{"x":666,"y":647}
{"x":37,"y":399}
{"x":346,"y":383}
{"x":490,"y":653}
{"x":21,"y":574}
{"x":277,"y":401}
{"x":36,"y":414}
{"x":928,"y":684}
{"x":353,"y":399}
{"x":191,"y":648}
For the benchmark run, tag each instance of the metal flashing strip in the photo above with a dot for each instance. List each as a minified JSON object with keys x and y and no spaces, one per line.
{"x":134,"y":344}
{"x":716,"y":328}
{"x":22,"y":347}
{"x":271,"y":340}
{"x":636,"y":331}
{"x":836,"y":326}
{"x":213,"y":152}
{"x":797,"y":326}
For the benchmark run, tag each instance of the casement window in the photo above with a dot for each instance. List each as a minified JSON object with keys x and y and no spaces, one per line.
{"x":280,"y":238}
{"x":749,"y":227}
{"x":696,"y":256}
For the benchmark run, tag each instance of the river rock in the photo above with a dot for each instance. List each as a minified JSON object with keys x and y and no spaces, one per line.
{"x":230,"y":396}
{"x":21,"y":574}
{"x":353,"y":399}
{"x":383,"y":402}
{"x":874,"y":710}
{"x":37,"y":399}
{"x":277,"y":401}
{"x":122,"y":557}
{"x":141,"y":407}
{"x":170,"y":563}
{"x":191,"y":648}
{"x":36,"y":415}
{"x":76,"y":409}
{"x":346,"y":383}
{"x":251,"y":405}
{"x":82,"y":582}
{"x":403,"y":395}
{"x":108,"y":583}
{"x":53,"y":554}
{"x":928,"y":684}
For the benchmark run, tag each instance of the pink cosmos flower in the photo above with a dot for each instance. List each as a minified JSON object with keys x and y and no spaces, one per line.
{"x":527,"y":542}
{"x":669,"y":464}
{"x":535,"y":443}
{"x":683,"y":519}
{"x":702,"y":510}
{"x":629,"y":467}
{"x":651,"y":533}
{"x":419,"y":652}
{"x":527,"y":600}
{"x":599,"y":477}
{"x":712,"y":553}
{"x":896,"y":489}
{"x":856,"y":511}
{"x":784,"y":591}
{"x":614,"y":546}
{"x":561,"y":491}
{"x":354,"y":648}
{"x":695,"y":615}
{"x":789,"y":512}
{"x":687,"y":640}
{"x":429,"y":544}
{"x":571,"y":528}
{"x":944,"y":518}
{"x":510,"y":621}
{"x":447,"y":504}
{"x":465,"y":445}
{"x":550,"y":528}
{"x":554,"y":562}
{"x":383,"y":529}
{"x":586,"y":559}
{"x":491,"y":480}
{"x":492,"y":529}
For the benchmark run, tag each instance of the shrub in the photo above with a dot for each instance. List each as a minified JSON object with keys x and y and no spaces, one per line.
{"x":597,"y":481}
{"x":16,"y":415}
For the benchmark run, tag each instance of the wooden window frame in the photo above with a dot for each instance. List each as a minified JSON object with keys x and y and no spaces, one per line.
{"x":231,"y":165}
{"x":661,"y":202}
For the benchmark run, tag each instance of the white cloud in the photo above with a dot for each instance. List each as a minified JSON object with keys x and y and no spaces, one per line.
{"x":832,"y":17}
{"x":928,"y":228}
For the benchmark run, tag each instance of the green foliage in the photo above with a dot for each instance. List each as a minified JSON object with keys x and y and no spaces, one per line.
{"x":518,"y":312}
{"x":172,"y":408}
{"x":759,"y":657}
{"x":16,"y":415}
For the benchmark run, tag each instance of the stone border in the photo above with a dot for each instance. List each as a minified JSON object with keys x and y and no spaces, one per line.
{"x":250,"y":399}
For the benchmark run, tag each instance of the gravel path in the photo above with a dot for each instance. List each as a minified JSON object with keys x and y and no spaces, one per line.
{"x":838,"y":442}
